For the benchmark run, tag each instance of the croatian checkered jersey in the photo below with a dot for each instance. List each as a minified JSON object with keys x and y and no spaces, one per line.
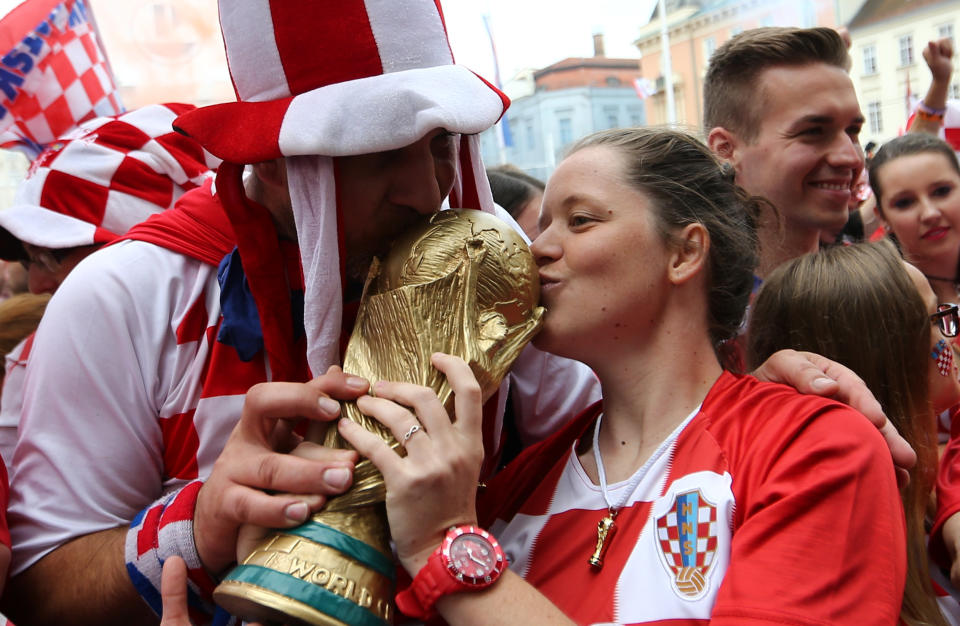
{"x":128,"y":395}
{"x":765,"y":506}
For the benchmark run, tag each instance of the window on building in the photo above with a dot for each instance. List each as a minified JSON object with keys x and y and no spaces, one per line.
{"x":566,"y":130}
{"x":869,"y":60}
{"x":954,"y":92}
{"x":636,"y":118}
{"x":945,"y":31}
{"x":709,"y":45}
{"x":164,"y":17}
{"x":875,"y":117}
{"x":906,"y":50}
{"x":531,"y":138}
{"x":613,"y":81}
{"x":612,"y":116}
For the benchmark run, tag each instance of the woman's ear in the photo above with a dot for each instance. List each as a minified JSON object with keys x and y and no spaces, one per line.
{"x":690,"y":253}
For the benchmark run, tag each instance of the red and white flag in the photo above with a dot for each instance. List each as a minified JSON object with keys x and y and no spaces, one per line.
{"x":54,"y":73}
{"x":950,"y":131}
{"x":644,"y":87}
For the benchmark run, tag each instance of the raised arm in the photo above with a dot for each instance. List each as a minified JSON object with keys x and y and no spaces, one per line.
{"x":939,"y":58}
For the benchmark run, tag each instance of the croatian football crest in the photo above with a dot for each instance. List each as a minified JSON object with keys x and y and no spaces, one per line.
{"x":687,"y":536}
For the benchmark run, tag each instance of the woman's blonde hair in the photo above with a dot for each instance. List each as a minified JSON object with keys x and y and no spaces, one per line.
{"x":858,"y":306}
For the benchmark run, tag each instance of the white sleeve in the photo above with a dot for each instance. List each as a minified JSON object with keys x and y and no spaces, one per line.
{"x":548,"y":391}
{"x":11,"y":401}
{"x":89,"y":454}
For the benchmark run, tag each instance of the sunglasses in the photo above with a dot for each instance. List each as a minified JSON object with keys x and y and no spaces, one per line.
{"x":947,"y":319}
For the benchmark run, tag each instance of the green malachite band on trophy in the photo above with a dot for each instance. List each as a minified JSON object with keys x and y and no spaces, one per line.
{"x":353,"y":548}
{"x":312,"y":595}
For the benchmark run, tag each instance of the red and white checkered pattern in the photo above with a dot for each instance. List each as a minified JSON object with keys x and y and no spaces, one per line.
{"x":668,"y":534}
{"x":63,"y":79}
{"x":379,"y":72}
{"x":330,"y":78}
{"x":943,"y":355}
{"x":109,"y":174}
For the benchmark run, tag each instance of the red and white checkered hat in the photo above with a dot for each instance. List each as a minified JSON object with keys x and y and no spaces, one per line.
{"x":336,"y":78}
{"x":97,"y":181}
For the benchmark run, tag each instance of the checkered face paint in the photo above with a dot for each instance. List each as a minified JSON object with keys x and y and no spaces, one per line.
{"x":943,"y":356}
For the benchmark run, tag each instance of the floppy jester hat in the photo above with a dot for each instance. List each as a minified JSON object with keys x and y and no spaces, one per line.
{"x":334,"y":78}
{"x":95,"y":182}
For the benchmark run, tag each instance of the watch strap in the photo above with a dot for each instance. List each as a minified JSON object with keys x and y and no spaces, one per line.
{"x":429,"y":585}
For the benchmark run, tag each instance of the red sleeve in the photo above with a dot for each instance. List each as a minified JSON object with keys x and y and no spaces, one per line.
{"x":948,"y":492}
{"x":819,"y":531}
{"x":4,"y":500}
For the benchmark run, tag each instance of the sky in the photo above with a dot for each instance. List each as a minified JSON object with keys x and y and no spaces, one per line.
{"x":537,"y":33}
{"x":530,"y":33}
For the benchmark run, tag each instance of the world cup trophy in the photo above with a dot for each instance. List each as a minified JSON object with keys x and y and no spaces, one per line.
{"x":460,"y":282}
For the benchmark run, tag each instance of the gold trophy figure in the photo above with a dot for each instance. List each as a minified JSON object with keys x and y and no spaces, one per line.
{"x":460,"y":282}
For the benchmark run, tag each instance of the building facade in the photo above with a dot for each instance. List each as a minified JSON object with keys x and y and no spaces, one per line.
{"x":698,"y":27}
{"x":888,"y":71}
{"x":553,"y":107}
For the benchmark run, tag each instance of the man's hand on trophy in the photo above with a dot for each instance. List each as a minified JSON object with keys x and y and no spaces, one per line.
{"x":434,"y":486}
{"x":254,"y":477}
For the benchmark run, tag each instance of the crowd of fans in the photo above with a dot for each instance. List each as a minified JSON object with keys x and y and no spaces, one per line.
{"x":204,"y":264}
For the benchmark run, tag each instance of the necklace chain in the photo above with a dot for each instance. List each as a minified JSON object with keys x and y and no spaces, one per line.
{"x":607,"y":527}
{"x":952,"y":281}
{"x":602,"y":474}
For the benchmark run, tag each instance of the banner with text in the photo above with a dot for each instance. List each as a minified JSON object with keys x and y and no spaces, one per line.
{"x":54,"y":73}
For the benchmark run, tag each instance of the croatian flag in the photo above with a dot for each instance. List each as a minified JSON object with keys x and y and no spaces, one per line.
{"x":950,"y":131}
{"x":644,"y":87}
{"x":54,"y":73}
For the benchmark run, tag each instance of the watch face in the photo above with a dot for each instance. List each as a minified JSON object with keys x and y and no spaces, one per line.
{"x":474,"y":557}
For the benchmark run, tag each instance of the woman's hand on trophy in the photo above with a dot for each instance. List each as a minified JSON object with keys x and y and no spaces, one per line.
{"x":434,"y":486}
{"x":253,"y":477}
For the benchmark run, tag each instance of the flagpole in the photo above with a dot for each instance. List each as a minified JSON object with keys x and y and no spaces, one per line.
{"x":667,"y":65}
{"x":504,"y":130}
{"x":88,"y":5}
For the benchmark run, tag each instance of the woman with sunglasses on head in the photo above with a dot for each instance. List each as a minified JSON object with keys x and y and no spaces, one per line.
{"x":916,"y":181}
{"x":689,"y":493}
{"x":865,"y":308}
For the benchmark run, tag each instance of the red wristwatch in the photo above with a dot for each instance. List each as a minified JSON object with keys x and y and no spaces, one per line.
{"x":469,"y":559}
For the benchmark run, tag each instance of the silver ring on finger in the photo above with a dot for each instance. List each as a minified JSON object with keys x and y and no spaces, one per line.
{"x":410,"y":433}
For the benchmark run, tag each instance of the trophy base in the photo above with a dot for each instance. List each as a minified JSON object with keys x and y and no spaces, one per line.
{"x":269,"y":607}
{"x":334,"y":570}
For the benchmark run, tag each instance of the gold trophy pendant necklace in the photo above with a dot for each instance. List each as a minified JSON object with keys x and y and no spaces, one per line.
{"x":607,"y":526}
